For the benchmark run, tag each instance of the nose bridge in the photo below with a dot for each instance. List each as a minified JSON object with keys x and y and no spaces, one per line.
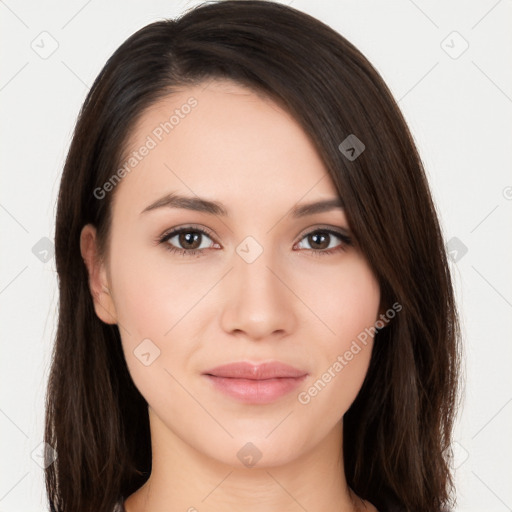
{"x":257,"y":301}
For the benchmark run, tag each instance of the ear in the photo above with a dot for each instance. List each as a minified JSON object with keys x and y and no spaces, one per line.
{"x":98,"y":278}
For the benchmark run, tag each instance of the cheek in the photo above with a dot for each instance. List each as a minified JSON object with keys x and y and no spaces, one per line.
{"x":153,"y":292}
{"x":151,"y":301}
{"x":343,"y":356}
{"x":345,"y":299}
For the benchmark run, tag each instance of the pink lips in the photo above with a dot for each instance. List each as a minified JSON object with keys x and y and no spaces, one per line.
{"x":256,"y":384}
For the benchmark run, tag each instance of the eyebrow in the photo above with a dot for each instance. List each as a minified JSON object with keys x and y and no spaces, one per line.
{"x":199,"y":204}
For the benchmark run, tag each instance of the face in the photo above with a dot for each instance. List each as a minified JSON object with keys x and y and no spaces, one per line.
{"x":261,"y":282}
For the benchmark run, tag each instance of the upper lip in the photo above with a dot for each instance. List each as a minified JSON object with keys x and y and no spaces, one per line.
{"x":246,"y":370}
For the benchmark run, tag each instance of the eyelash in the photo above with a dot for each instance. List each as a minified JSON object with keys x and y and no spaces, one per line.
{"x":346,"y":241}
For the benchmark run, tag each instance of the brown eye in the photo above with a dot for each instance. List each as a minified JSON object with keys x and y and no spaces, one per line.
{"x":323,"y":241}
{"x":186,"y":241}
{"x":189,"y":239}
{"x":319,"y":240}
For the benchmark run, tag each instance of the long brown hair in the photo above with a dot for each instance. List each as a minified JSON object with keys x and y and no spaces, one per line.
{"x":397,"y":433}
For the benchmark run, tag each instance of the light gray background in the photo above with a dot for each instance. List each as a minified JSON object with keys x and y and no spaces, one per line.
{"x":458,"y":106}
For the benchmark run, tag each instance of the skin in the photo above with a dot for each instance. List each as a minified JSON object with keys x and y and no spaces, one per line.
{"x":289,"y":305}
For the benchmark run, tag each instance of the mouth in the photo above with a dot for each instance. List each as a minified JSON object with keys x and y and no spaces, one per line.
{"x":255,"y":384}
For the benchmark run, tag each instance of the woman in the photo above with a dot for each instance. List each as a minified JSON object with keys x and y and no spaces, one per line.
{"x":207,"y":357}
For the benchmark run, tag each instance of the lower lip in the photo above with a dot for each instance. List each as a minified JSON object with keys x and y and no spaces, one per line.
{"x":256,"y":391}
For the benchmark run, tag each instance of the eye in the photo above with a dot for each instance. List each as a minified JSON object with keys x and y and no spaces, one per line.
{"x":321,"y":241}
{"x":189,"y":240}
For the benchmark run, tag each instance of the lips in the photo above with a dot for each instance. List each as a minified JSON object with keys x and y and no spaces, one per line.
{"x":244,"y":370}
{"x":255,"y":384}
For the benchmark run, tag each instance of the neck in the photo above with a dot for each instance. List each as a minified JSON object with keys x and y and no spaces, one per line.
{"x":183,"y":479}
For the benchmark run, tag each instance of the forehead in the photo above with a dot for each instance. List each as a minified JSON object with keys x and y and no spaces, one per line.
{"x":226,"y":142}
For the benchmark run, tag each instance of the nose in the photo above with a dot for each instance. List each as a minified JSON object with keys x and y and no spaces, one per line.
{"x":258,"y":299}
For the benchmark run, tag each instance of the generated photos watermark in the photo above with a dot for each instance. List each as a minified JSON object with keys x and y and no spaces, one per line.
{"x":304,"y":397}
{"x":152,"y":140}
